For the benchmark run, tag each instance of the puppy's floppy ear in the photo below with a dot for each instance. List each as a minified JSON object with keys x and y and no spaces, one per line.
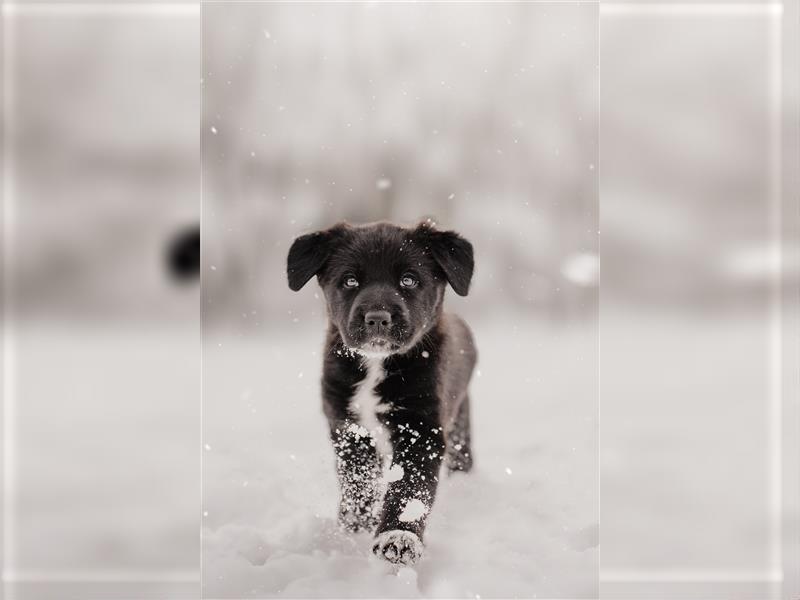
{"x":452,"y":253}
{"x":308,"y":255}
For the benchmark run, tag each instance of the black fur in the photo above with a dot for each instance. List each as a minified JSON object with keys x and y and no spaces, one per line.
{"x":384,"y":287}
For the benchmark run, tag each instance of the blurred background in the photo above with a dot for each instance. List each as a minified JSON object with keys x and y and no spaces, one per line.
{"x":101,"y":344}
{"x":670,"y":152}
{"x":698,"y":302}
{"x":485,"y":119}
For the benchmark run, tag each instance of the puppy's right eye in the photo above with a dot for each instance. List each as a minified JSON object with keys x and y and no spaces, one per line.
{"x":350,"y":282}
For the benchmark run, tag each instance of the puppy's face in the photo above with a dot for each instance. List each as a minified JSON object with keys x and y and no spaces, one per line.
{"x":383,"y":284}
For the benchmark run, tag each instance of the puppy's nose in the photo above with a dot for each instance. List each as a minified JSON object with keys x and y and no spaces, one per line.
{"x":377,"y":319}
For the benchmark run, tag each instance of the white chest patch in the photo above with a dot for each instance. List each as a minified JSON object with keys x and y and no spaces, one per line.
{"x":365,"y":404}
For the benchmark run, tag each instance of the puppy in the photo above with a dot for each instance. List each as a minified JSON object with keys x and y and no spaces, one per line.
{"x":395,"y":373}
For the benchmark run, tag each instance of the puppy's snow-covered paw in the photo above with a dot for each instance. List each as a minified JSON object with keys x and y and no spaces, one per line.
{"x":398,"y":546}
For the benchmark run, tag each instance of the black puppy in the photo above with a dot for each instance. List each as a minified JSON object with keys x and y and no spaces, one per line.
{"x":395,"y":373}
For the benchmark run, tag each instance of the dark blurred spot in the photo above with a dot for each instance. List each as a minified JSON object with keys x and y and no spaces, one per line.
{"x":183,"y":254}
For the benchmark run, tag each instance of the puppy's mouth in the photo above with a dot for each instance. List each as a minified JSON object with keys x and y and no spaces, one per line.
{"x":378,"y":346}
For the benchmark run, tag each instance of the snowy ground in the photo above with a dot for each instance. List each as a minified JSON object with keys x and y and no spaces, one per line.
{"x":103,"y":491}
{"x":107,"y":439}
{"x":522,"y":524}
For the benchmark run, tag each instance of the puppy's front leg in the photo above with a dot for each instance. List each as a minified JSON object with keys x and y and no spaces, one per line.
{"x":418,"y":447}
{"x":358,"y":469}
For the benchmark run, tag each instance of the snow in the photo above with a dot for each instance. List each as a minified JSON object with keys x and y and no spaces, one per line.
{"x":488,"y":534}
{"x":108,"y":458}
{"x":357,"y":430}
{"x":395,"y":473}
{"x":414,"y":510}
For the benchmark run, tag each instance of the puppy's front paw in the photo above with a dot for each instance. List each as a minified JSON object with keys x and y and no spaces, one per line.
{"x":398,"y":546}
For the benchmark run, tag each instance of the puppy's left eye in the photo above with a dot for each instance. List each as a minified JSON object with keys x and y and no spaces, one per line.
{"x":408,"y":281}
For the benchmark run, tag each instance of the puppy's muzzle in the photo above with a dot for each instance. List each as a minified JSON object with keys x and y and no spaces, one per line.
{"x":378,"y":323}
